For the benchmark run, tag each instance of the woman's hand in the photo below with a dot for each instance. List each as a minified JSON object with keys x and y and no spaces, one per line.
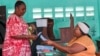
{"x":49,"y":42}
{"x":33,"y":37}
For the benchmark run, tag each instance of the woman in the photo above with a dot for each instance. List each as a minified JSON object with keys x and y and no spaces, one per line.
{"x":80,"y":45}
{"x":16,"y":41}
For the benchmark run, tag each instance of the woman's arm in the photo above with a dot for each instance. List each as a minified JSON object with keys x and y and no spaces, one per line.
{"x":33,"y":37}
{"x":75,"y":48}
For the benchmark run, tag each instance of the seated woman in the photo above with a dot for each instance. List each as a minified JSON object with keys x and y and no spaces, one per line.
{"x":80,"y":45}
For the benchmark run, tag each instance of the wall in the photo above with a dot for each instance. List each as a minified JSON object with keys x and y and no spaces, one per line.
{"x":62,"y":20}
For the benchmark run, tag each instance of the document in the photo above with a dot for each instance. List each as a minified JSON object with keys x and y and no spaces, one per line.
{"x":41,"y":36}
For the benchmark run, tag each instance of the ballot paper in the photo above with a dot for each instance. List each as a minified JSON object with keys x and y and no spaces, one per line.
{"x":41,"y":36}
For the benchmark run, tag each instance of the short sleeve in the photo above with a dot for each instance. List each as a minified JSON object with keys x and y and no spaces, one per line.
{"x":14,"y":26}
{"x":85,"y":41}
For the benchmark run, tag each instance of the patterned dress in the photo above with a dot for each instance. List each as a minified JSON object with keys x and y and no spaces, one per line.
{"x":16,"y":47}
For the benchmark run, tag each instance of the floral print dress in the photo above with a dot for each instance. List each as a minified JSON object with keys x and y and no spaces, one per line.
{"x":16,"y":47}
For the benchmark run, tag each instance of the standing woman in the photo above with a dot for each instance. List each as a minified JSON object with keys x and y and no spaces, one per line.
{"x":16,"y":41}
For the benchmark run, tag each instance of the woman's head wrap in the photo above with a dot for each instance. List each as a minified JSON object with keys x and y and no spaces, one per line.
{"x":84,"y":28}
